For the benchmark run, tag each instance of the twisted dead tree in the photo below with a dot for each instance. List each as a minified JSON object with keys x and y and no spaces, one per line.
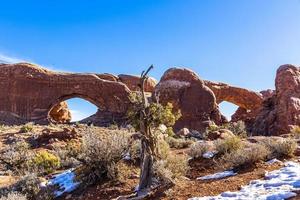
{"x":146,"y":118}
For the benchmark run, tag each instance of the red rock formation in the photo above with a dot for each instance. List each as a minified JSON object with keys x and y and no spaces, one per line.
{"x":241,"y":97}
{"x":282,"y":111}
{"x":187,"y":92}
{"x":60,"y":113}
{"x":30,"y":92}
{"x":132,"y":82}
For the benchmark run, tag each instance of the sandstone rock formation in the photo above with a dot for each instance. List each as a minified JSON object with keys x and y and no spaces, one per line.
{"x":29,"y":92}
{"x":187,"y":92}
{"x":241,"y":97}
{"x":133,"y":82}
{"x":60,"y":113}
{"x":281,"y":111}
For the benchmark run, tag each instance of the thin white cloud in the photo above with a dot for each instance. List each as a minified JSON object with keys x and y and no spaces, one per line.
{"x":8,"y":59}
{"x":11,"y":60}
{"x":78,"y":115}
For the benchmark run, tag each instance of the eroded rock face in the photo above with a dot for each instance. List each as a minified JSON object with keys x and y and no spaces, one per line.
{"x":188,"y":93}
{"x":281,"y":111}
{"x":29,"y":92}
{"x":133,"y":82}
{"x":60,"y":113}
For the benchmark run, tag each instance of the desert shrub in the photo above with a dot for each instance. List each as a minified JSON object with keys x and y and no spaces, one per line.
{"x":170,"y":132}
{"x":68,"y":154}
{"x":26,"y":128}
{"x":16,"y":156}
{"x":45,"y":162}
{"x":238,"y":128}
{"x":296,"y":131}
{"x":163,"y":149}
{"x":197,"y":149}
{"x":246,"y":156}
{"x":14,"y":196}
{"x":28,"y":185}
{"x":101,"y":153}
{"x":171,"y":168}
{"x":283,"y":147}
{"x":178,"y":143}
{"x":135,"y":151}
{"x":227,"y":145}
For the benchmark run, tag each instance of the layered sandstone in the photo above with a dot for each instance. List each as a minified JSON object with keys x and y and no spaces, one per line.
{"x":188,"y":93}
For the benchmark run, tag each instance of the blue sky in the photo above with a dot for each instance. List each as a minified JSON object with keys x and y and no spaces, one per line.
{"x":241,"y":42}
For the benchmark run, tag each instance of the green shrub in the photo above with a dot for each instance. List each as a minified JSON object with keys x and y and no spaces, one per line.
{"x":197,"y":149}
{"x":227,"y":145}
{"x":101,"y":152}
{"x":238,"y":128}
{"x":246,"y":156}
{"x":296,"y":131}
{"x":26,"y":128}
{"x":171,"y":168}
{"x":178,"y":143}
{"x":282,"y":147}
{"x":45,"y":162}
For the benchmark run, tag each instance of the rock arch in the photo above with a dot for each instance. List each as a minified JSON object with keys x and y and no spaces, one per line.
{"x":29,"y":91}
{"x":246,"y":99}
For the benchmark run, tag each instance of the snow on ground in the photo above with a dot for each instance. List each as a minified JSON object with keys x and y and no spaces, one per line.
{"x":209,"y":154}
{"x":270,"y":162}
{"x":218,"y":175}
{"x":65,"y":181}
{"x":277,"y":185}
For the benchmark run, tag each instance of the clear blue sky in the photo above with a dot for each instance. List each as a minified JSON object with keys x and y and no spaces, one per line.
{"x":235,"y":41}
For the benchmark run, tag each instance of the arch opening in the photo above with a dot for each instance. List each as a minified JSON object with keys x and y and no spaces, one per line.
{"x":227,"y":109}
{"x":71,"y":109}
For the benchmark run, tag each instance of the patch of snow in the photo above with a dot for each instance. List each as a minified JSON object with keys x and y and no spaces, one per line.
{"x":65,"y":181}
{"x":173,"y":84}
{"x":270,"y":162}
{"x":127,"y":156}
{"x":218,"y":175}
{"x":277,"y":185}
{"x":209,"y":154}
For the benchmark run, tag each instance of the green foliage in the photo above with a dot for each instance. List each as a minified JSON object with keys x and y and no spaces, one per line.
{"x":45,"y":162}
{"x":246,"y":156}
{"x":228,"y":145}
{"x":159,"y":114}
{"x":178,"y":143}
{"x":296,"y":131}
{"x":170,"y":132}
{"x":198,"y":149}
{"x":282,"y":147}
{"x":238,"y":128}
{"x":26,"y":128}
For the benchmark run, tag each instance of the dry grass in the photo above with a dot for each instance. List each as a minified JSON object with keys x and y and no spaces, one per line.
{"x":178,"y":143}
{"x":280,"y":148}
{"x":197,"y":149}
{"x":228,"y":145}
{"x":246,"y":156}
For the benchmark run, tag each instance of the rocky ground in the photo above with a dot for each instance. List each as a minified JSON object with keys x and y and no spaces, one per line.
{"x":50,"y":138}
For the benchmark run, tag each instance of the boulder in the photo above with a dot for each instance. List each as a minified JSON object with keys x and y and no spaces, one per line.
{"x":220,"y":134}
{"x":188,"y":93}
{"x":184,"y":132}
{"x":60,"y":113}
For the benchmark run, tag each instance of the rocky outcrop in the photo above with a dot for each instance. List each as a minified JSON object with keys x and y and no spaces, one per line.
{"x":60,"y":113}
{"x":281,"y":111}
{"x":29,"y":92}
{"x":133,"y":82}
{"x":188,"y":93}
